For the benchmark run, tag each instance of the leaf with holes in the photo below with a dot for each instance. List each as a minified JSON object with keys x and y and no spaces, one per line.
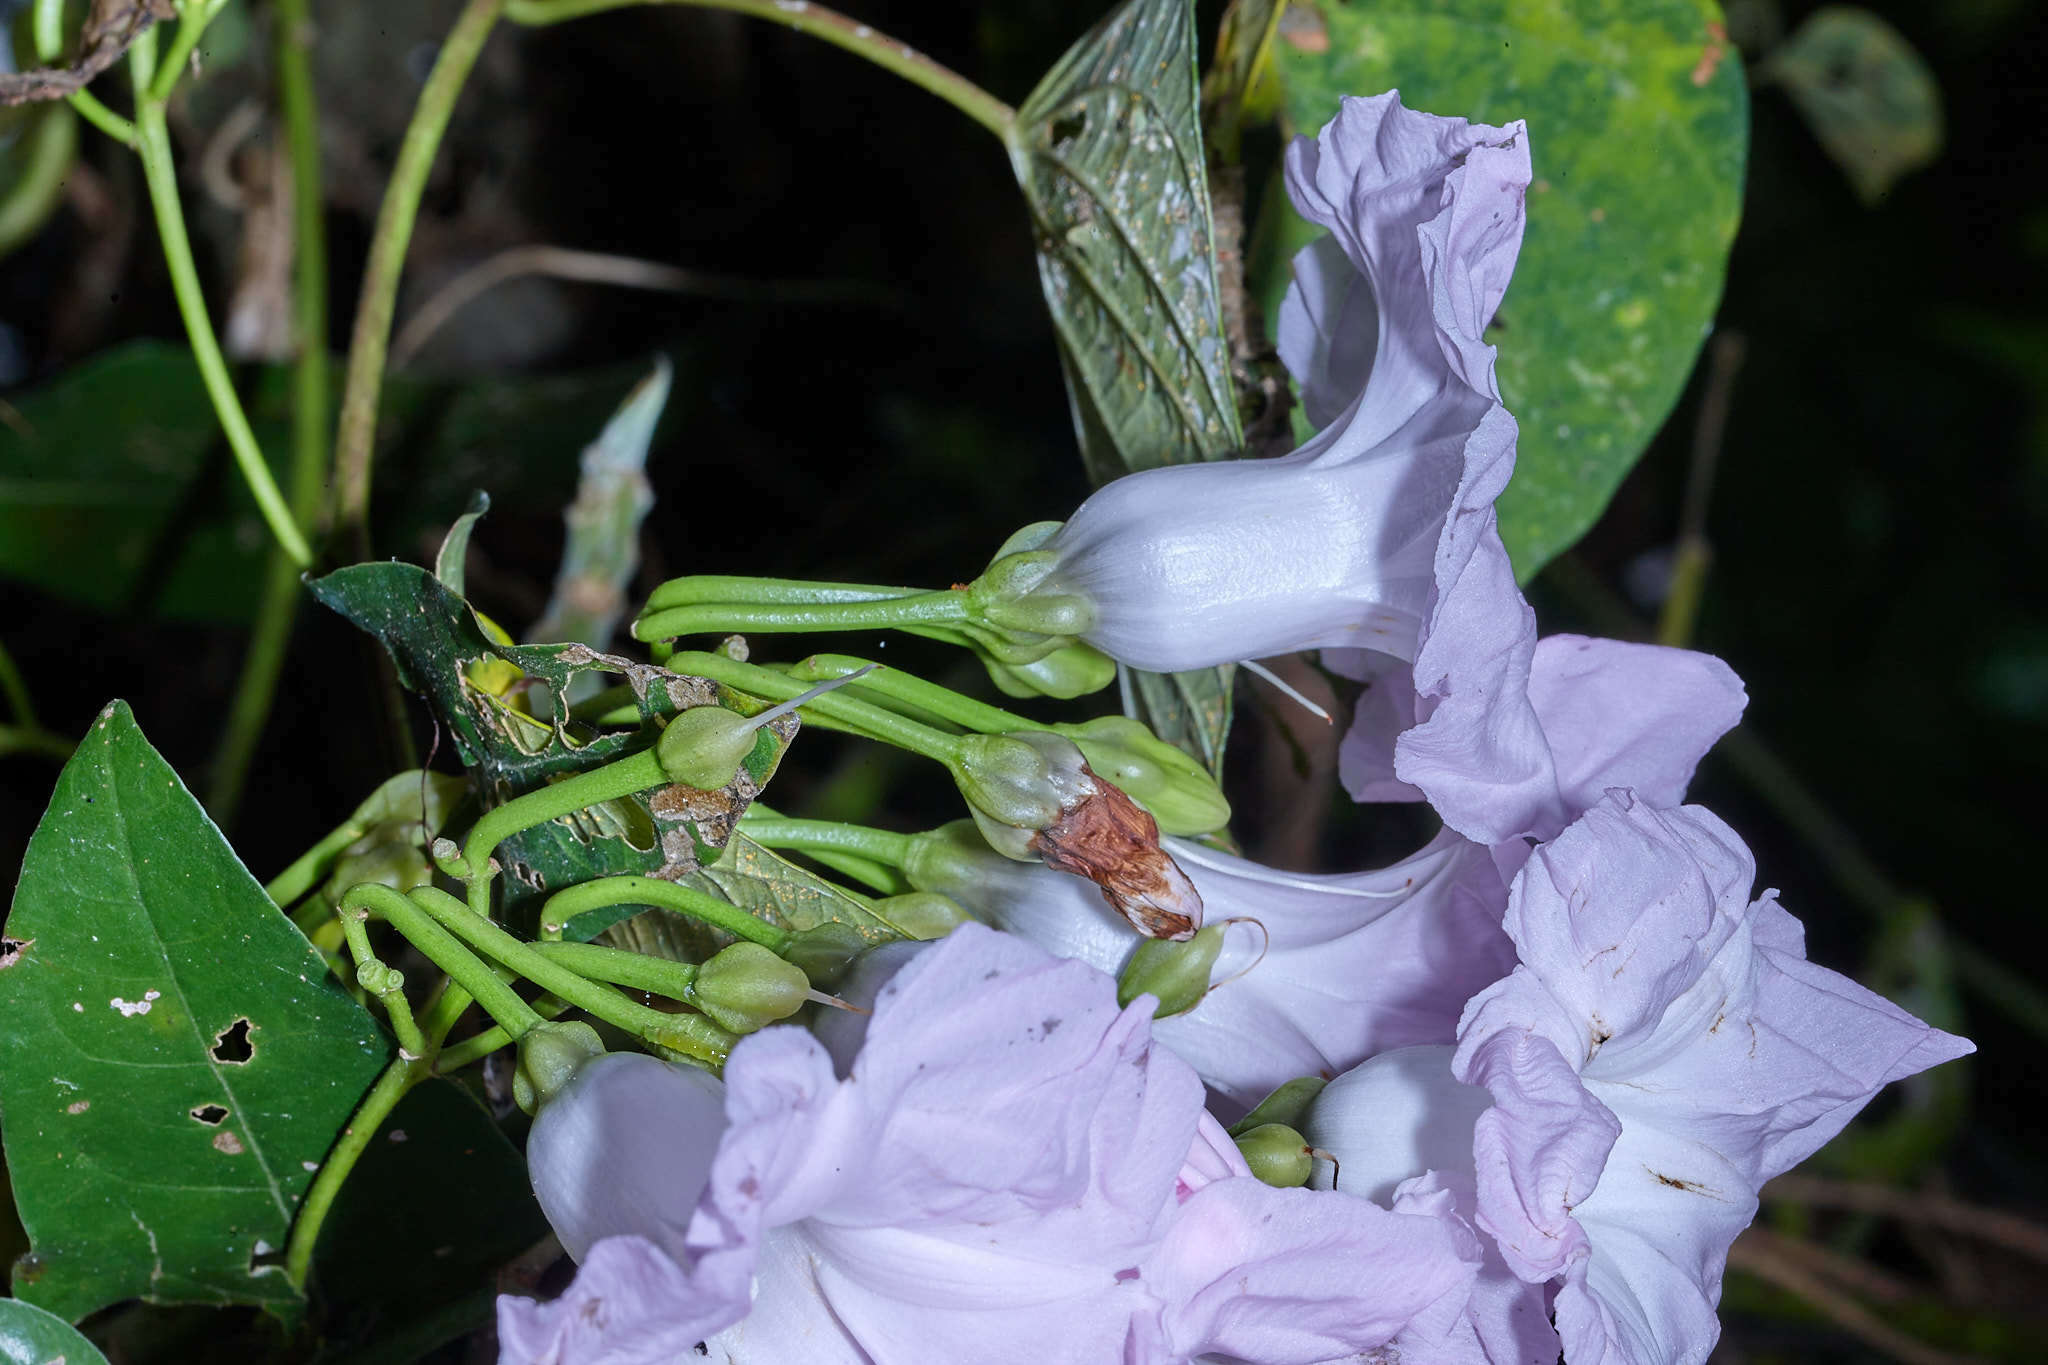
{"x":174,"y":1059}
{"x":1108,"y":150}
{"x":1638,"y":126}
{"x":482,"y":691}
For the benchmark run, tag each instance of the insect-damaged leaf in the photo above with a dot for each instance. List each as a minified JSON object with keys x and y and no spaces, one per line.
{"x":485,"y":693}
{"x":174,"y":1059}
{"x":1108,"y":150}
{"x":1638,"y":126}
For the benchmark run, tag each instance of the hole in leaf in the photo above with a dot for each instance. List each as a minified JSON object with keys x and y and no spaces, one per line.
{"x":264,"y":1257}
{"x":231,"y":1044}
{"x":209,"y":1114}
{"x":1067,"y":127}
{"x":11,"y":950}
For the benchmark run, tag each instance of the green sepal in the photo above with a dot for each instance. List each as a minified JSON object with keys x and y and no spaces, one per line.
{"x":549,"y":1055}
{"x":1288,"y":1104}
{"x":922,"y":915}
{"x":1074,"y":670}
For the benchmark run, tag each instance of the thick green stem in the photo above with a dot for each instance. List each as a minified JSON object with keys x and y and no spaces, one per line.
{"x":926,"y":609}
{"x":689,"y":1034}
{"x":47,"y":23}
{"x":479,"y":1045}
{"x":857,"y":38}
{"x":877,"y":845}
{"x":572,"y":901}
{"x":153,"y":141}
{"x":637,"y":971}
{"x":399,"y":1077}
{"x":43,"y":153}
{"x":700,"y":588}
{"x":636,"y":773}
{"x":943,"y":702}
{"x":310,"y":867}
{"x":355,"y":437}
{"x":862,"y":718}
{"x":429,"y":932}
{"x":278,"y":608}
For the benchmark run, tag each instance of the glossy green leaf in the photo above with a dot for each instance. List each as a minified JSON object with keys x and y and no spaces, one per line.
{"x":1108,"y":150}
{"x":31,"y":1336}
{"x":1638,"y":128}
{"x":174,"y":1060}
{"x":1871,"y":98}
{"x":482,"y":691}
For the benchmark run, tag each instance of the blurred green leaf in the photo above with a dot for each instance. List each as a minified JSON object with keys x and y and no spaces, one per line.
{"x":174,"y":1060}
{"x":1638,"y":126}
{"x":40,"y":145}
{"x":1192,"y":709}
{"x":1870,"y":97}
{"x":31,"y":1336}
{"x":116,"y":491}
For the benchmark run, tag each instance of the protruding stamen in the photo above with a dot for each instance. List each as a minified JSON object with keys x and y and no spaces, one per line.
{"x":1286,"y":690}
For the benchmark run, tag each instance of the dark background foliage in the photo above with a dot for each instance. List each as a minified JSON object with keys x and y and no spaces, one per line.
{"x":1878,"y":521}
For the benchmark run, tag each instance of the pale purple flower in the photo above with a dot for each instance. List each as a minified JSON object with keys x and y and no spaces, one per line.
{"x":1009,"y":1172}
{"x":1346,"y":541}
{"x":1607,"y":714}
{"x":1662,"y":1049}
{"x":1336,"y":967}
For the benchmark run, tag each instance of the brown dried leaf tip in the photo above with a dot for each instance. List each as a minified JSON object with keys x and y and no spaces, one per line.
{"x":1112,"y":841}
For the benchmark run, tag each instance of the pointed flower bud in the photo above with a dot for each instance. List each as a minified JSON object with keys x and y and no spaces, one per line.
{"x":747,"y":987}
{"x":1177,"y":974}
{"x":550,"y":1055}
{"x":705,"y":745}
{"x":1277,"y":1155}
{"x":1165,"y":780}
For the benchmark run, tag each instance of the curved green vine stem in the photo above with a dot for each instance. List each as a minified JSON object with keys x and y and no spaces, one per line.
{"x":908,"y":688}
{"x":15,"y":688}
{"x":480,"y":1045}
{"x":697,"y":589}
{"x":805,"y":17}
{"x":277,"y":609}
{"x":355,"y":437}
{"x":829,"y":836}
{"x":193,"y":18}
{"x":566,"y":904}
{"x":22,"y":739}
{"x":691,"y":1035}
{"x":944,"y":608}
{"x":153,"y":141}
{"x":399,"y":1077}
{"x":51,"y":145}
{"x":414,"y":917}
{"x":635,"y":773}
{"x":48,"y":31}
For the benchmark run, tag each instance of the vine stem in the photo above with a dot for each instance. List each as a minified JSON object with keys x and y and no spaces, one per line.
{"x":819,"y":22}
{"x":376,"y":1106}
{"x":153,"y":142}
{"x":356,"y":434}
{"x":256,"y":691}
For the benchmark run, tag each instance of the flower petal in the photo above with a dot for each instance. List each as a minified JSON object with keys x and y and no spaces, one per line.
{"x":629,"y":1305}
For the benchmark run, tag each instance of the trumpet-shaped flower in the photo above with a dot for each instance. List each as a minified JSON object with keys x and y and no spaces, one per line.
{"x":1344,"y":542}
{"x":1316,"y":973}
{"x":1009,"y":1172}
{"x":1661,"y":1050}
{"x":1607,"y":714}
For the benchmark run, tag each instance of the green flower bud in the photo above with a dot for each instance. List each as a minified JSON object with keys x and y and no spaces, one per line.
{"x":705,"y":745}
{"x":1165,"y":780}
{"x":1177,"y":973}
{"x":1022,"y":780}
{"x":747,"y":987}
{"x":1277,"y":1155}
{"x":922,"y":915}
{"x":1070,"y":671}
{"x":824,"y":952}
{"x":549,"y":1054}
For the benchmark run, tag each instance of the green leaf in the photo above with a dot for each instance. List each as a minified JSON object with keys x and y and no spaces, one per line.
{"x":1872,"y":100}
{"x":1638,"y":126}
{"x":31,"y":1336}
{"x":174,"y":1059}
{"x":1108,"y":150}
{"x":1191,"y":710}
{"x":759,"y":881}
{"x":673,"y":832}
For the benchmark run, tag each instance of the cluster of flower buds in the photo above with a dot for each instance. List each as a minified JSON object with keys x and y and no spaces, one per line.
{"x":1564,"y":1043}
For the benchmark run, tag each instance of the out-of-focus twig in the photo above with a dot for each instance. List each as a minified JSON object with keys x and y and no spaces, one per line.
{"x":1774,"y":1260}
{"x":1693,"y":554}
{"x":2007,"y":1230}
{"x":593,"y":267}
